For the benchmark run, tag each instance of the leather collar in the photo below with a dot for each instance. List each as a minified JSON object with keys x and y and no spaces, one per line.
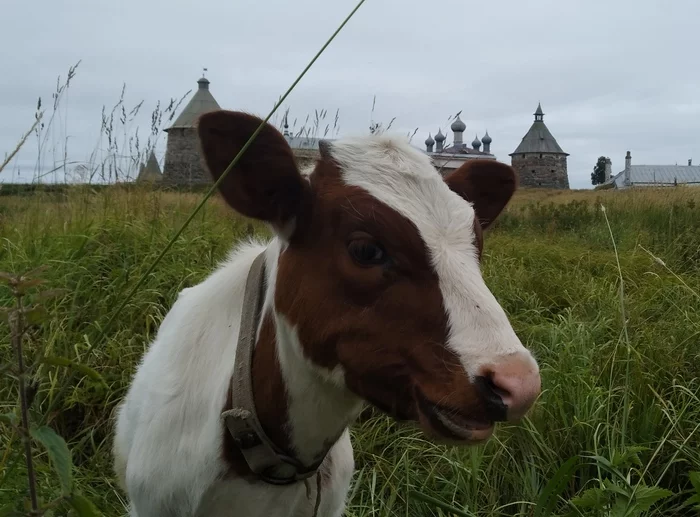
{"x":263,"y":457}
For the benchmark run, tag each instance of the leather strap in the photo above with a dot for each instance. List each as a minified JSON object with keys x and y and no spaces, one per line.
{"x":262,"y":456}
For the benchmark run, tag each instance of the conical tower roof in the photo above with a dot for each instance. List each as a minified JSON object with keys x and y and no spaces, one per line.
{"x":150,"y":171}
{"x":201,"y":102}
{"x":538,"y":139}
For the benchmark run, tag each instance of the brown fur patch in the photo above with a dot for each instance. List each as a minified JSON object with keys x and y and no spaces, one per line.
{"x":386,"y":325}
{"x":265,"y":184}
{"x":487,"y":184}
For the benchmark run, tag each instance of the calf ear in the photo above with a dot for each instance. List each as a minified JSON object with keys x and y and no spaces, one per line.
{"x":487,"y":184}
{"x":265,"y":184}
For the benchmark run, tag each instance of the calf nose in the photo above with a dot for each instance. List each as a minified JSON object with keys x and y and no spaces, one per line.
{"x":509,"y":387}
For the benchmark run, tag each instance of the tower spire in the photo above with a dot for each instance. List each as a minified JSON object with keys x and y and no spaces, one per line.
{"x":539,"y":114}
{"x":286,"y":125}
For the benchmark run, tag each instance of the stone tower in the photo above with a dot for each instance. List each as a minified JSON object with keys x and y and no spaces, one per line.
{"x":184,"y":164}
{"x":538,"y":160}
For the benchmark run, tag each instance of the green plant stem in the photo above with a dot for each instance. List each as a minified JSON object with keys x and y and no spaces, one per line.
{"x":17,"y":333}
{"x":623,"y":316}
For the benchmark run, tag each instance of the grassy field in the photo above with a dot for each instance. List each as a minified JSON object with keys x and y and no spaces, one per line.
{"x":611,"y":312}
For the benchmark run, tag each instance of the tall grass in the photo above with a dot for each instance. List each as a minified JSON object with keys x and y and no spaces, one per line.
{"x":119,"y":149}
{"x":607,"y":298}
{"x":621,"y":376}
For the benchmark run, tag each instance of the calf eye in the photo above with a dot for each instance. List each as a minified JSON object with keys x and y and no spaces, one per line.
{"x":366,"y":252}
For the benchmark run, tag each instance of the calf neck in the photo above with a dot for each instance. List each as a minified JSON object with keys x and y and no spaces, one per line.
{"x":372,"y":294}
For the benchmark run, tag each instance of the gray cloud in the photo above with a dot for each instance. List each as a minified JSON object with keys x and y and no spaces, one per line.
{"x":611,"y":76}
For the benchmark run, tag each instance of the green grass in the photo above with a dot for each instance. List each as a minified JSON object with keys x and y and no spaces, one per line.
{"x":621,"y":367}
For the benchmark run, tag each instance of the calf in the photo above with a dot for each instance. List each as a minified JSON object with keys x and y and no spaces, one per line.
{"x":369,"y":291}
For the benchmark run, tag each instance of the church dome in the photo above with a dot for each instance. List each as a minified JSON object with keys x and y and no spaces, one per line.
{"x":487,"y":139}
{"x":439,"y":137}
{"x":458,"y":126}
{"x":429,"y":140}
{"x":476,"y":143}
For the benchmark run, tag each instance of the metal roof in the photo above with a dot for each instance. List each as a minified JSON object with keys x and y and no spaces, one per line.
{"x":308,"y":142}
{"x":463,"y":149}
{"x":304,"y":142}
{"x":201,"y":102}
{"x":659,"y":175}
{"x":538,"y":139}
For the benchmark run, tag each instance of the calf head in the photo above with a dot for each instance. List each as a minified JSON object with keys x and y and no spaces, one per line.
{"x":379,"y":275}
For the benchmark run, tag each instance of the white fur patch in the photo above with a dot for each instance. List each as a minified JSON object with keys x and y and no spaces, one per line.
{"x":315,"y":394}
{"x":403,"y":178}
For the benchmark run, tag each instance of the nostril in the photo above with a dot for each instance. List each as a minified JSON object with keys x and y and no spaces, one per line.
{"x":493,"y":397}
{"x":514,"y":382}
{"x":501,"y":392}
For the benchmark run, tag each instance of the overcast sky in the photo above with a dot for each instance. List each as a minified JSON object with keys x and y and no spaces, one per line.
{"x":612,"y":75}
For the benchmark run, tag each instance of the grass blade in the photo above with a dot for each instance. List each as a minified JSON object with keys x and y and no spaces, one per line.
{"x":440,"y":504}
{"x":555,"y":487}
